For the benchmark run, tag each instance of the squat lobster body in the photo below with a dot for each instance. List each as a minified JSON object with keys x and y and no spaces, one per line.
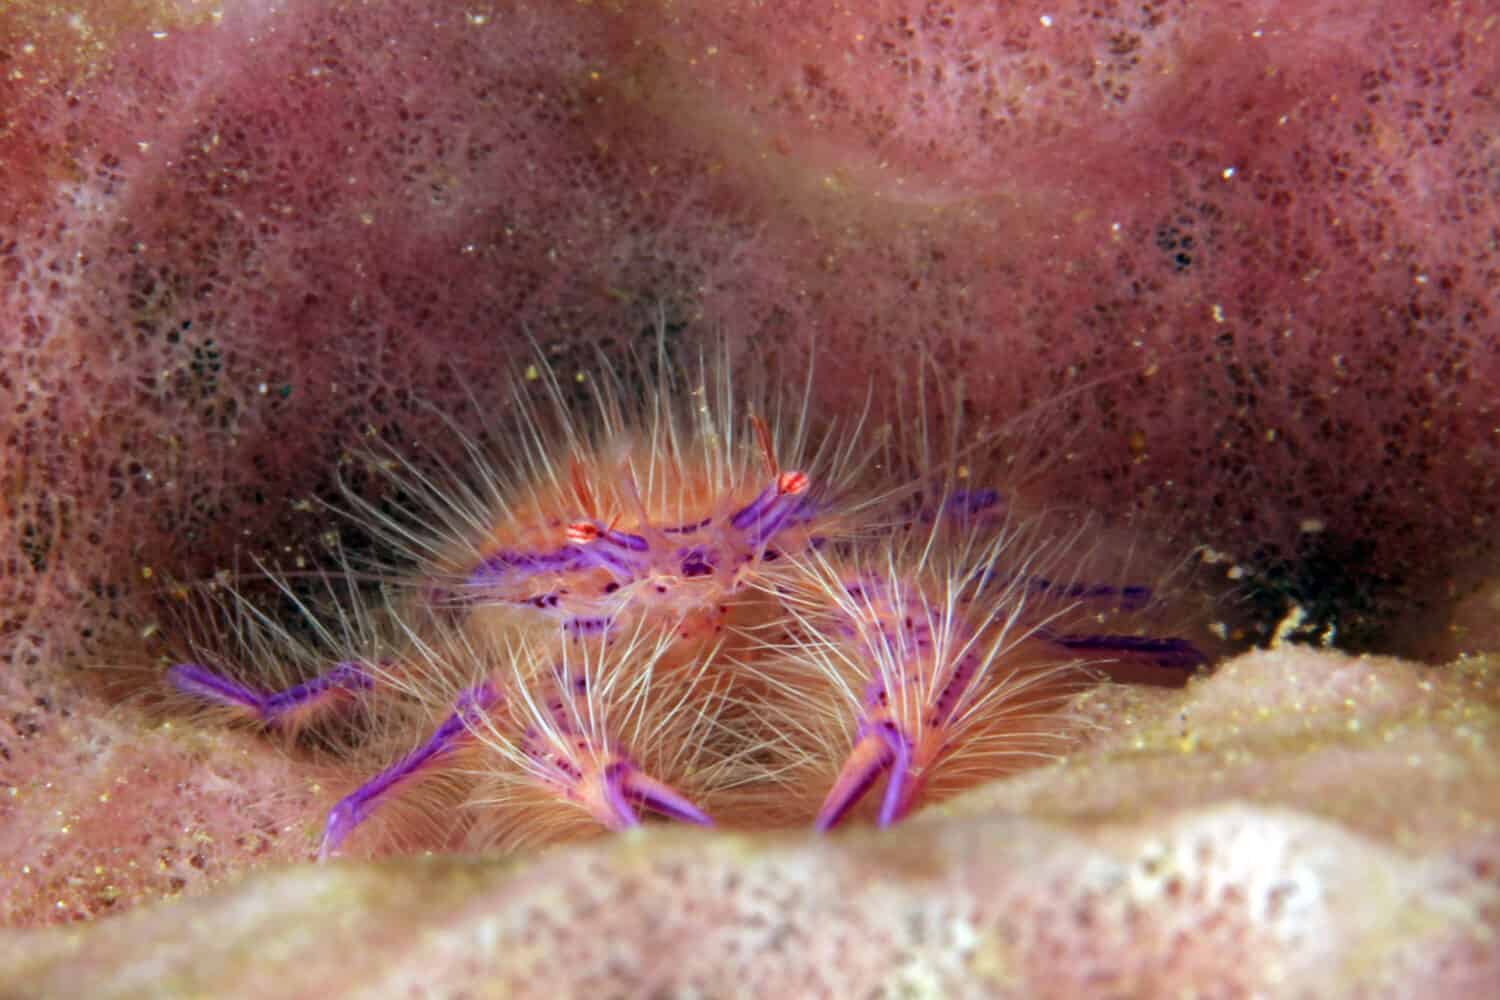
{"x":622,"y":615}
{"x":573,"y":593}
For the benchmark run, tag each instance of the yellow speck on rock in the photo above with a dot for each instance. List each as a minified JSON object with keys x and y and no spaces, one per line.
{"x":991,"y":964}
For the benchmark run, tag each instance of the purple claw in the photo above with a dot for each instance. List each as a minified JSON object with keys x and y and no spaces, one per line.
{"x":342,"y":819}
{"x":619,"y":813}
{"x":660,"y":797}
{"x":195,"y":679}
{"x":901,"y":785}
{"x":871,"y":757}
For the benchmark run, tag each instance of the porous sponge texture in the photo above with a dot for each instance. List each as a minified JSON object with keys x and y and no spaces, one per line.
{"x":237,"y":247}
{"x":99,"y":814}
{"x":1285,"y":213}
{"x":1244,"y":258}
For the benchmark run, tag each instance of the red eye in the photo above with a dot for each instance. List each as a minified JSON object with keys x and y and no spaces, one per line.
{"x":582,"y":532}
{"x":791,"y":483}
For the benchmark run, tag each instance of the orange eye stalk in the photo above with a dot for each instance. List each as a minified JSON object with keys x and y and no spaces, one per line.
{"x":787,"y":483}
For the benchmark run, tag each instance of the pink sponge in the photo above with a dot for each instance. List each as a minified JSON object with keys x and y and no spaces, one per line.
{"x":1279,"y":218}
{"x":235,"y":247}
{"x":1242,"y":258}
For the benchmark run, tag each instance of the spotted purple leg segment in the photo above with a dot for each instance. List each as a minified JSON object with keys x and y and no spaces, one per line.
{"x":195,"y":679}
{"x":953,"y":505}
{"x":1171,"y":652}
{"x":1166,"y":651}
{"x":771,"y":513}
{"x":963,"y":504}
{"x":756,"y":510}
{"x":1131,"y":597}
{"x":357,"y":806}
{"x":503,"y":567}
{"x":346,"y":676}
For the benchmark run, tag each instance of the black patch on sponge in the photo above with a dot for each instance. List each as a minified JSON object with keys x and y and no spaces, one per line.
{"x":1345,"y":604}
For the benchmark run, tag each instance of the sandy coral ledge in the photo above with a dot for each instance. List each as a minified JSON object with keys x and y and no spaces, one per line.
{"x":1299,"y":824}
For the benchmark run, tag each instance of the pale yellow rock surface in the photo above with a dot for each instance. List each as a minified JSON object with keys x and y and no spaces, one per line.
{"x":1299,"y":824}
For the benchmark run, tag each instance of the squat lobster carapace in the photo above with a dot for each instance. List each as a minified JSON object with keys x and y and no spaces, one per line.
{"x":631,"y":615}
